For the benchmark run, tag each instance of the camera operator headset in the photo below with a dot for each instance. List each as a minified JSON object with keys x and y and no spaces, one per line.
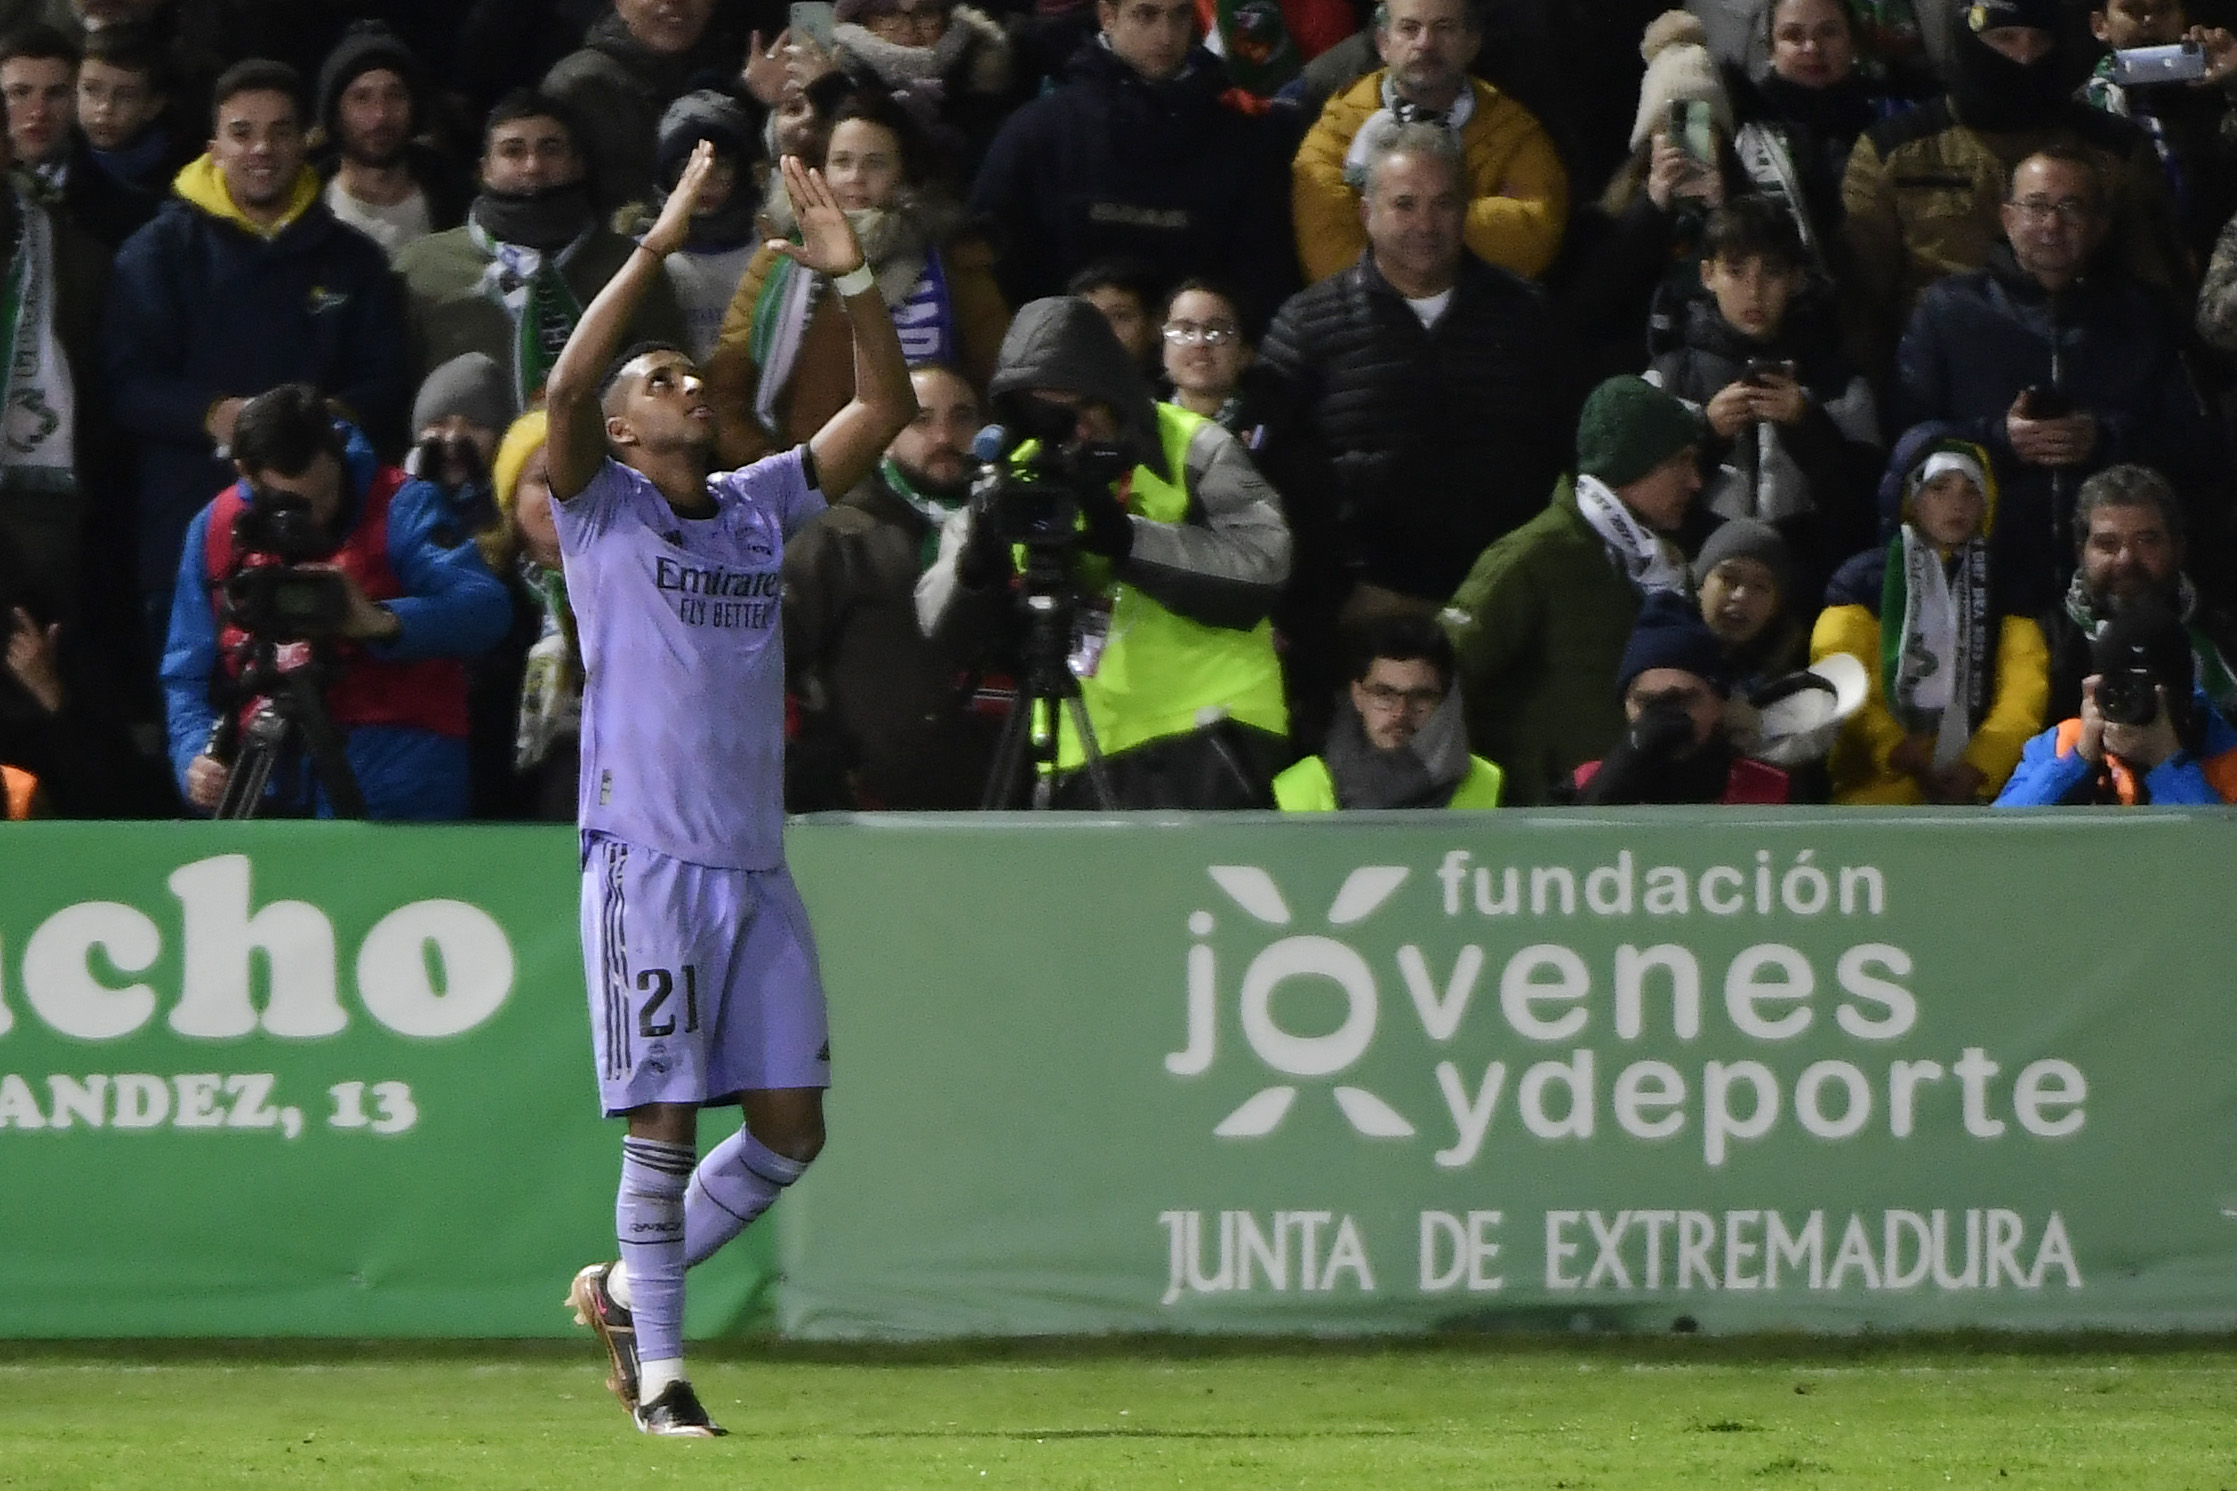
{"x":2146,"y":733}
{"x":1179,"y":561}
{"x":322,"y":548}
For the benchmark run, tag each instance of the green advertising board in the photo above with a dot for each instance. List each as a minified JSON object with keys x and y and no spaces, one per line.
{"x":1370,"y":1073}
{"x":1777,"y":1070}
{"x":302,"y":1079}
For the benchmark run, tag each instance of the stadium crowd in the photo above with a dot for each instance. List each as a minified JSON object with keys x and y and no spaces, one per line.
{"x":1513,"y":401}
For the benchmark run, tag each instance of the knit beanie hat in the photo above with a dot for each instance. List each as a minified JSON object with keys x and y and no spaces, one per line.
{"x":470,"y":384}
{"x":1629,"y":427}
{"x":1671,"y":634}
{"x":1745,"y":538}
{"x":1679,"y":69}
{"x":702,"y":114}
{"x":520,"y":442}
{"x":365,"y":47}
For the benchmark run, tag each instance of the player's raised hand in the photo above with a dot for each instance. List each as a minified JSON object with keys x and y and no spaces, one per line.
{"x":828,"y":244}
{"x":674,"y":223}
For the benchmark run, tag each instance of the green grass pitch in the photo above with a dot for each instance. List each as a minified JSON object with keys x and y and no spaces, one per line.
{"x":1676,"y":1412}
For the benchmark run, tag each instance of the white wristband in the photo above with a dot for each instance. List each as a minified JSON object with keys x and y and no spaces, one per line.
{"x":854,"y":281}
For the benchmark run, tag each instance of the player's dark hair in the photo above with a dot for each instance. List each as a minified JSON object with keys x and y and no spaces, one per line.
{"x":527,"y":103}
{"x":1754,"y":227}
{"x":284,"y":429}
{"x":628,"y":355}
{"x":1402,"y":639}
{"x":39,"y":42}
{"x":256,"y":75}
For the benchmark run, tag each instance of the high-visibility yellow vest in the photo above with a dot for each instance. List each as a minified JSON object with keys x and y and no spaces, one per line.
{"x":1159,"y":672}
{"x":1308,"y":788}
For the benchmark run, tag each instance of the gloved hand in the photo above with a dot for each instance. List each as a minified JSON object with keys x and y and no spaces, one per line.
{"x":985,"y":559}
{"x":1105,"y":528}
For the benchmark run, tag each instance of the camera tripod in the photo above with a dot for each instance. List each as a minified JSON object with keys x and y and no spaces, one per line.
{"x":289,"y":710}
{"x":1050,"y":602}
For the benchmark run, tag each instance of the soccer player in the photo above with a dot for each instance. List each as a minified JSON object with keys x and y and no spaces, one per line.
{"x":702,"y":971}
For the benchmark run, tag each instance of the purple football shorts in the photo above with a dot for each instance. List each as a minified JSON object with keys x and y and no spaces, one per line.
{"x":703,"y":981}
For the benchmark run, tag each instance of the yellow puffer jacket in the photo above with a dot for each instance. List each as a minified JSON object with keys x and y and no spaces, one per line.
{"x":1518,"y":193}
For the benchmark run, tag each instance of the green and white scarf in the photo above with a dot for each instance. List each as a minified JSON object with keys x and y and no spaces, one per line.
{"x":529,"y":285}
{"x":933,"y":509}
{"x":1935,"y":636}
{"x":38,"y":403}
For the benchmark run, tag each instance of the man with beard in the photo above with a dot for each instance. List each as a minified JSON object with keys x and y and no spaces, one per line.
{"x":886,"y":717}
{"x":513,"y":281}
{"x":243,"y":281}
{"x":1924,"y":189}
{"x":1674,"y":688}
{"x":1399,"y":741}
{"x":2128,"y":546}
{"x":372,"y":93}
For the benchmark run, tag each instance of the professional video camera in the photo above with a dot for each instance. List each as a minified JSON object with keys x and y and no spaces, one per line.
{"x":270,"y":593}
{"x":1043,"y":504}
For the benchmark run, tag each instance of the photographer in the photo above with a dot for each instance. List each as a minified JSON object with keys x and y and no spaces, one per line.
{"x":409,"y":602}
{"x":2146,"y":733}
{"x":1177,"y":563}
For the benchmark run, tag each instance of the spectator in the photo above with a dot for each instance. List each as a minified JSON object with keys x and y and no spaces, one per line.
{"x":243,"y":281}
{"x":1516,"y":191}
{"x":948,"y":64}
{"x":2143,"y":734}
{"x":1135,"y":157}
{"x":1127,"y":295}
{"x":457,"y":416}
{"x":124,"y":113}
{"x":1790,"y":425}
{"x":1418,"y":389}
{"x":2189,"y":123}
{"x":1960,"y":684}
{"x":373,"y":103}
{"x":513,"y":281}
{"x":39,"y":81}
{"x":1176,"y":657}
{"x":2217,"y":299}
{"x":416,"y":608}
{"x":705,"y":272}
{"x":1633,"y":258}
{"x":1744,"y":576}
{"x":1208,"y":362}
{"x":2057,"y":363}
{"x":1540,"y":624}
{"x":1265,"y":47}
{"x":2128,"y":537}
{"x":781,"y":367}
{"x":1399,"y":740}
{"x":525,"y":696}
{"x":66,"y":752}
{"x":1923,"y":189}
{"x":51,"y":459}
{"x":1675,"y":748}
{"x":634,"y":62}
{"x":886,"y":718}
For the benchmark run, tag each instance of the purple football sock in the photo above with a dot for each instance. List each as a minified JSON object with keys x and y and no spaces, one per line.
{"x":734,"y":1184}
{"x":649,"y":1221}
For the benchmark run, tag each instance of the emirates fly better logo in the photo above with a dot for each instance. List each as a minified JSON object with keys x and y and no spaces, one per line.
{"x":1306,"y":955}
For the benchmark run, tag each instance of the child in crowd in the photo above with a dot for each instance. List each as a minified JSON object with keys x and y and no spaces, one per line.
{"x":2189,"y":122}
{"x":123,"y":98}
{"x":1127,"y":296}
{"x":1789,"y":422}
{"x":1959,"y":683}
{"x":1208,"y":361}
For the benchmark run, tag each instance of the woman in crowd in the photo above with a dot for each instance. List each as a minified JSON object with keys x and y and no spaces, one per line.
{"x":783,"y":364}
{"x":948,"y":64}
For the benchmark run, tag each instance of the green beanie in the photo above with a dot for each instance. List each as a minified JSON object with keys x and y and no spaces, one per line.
{"x":1629,"y":427}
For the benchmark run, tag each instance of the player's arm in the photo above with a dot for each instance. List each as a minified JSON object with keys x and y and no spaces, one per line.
{"x":577,"y":441}
{"x":884,"y":402}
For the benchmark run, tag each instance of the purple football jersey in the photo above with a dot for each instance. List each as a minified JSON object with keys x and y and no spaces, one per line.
{"x":683,"y":699}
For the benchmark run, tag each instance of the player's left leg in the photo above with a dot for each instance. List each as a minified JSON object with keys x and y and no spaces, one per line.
{"x":742,"y":1175}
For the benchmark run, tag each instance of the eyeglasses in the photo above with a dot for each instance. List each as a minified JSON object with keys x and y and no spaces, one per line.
{"x":1414,"y":701}
{"x":2071,"y":211}
{"x":1210,"y":333}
